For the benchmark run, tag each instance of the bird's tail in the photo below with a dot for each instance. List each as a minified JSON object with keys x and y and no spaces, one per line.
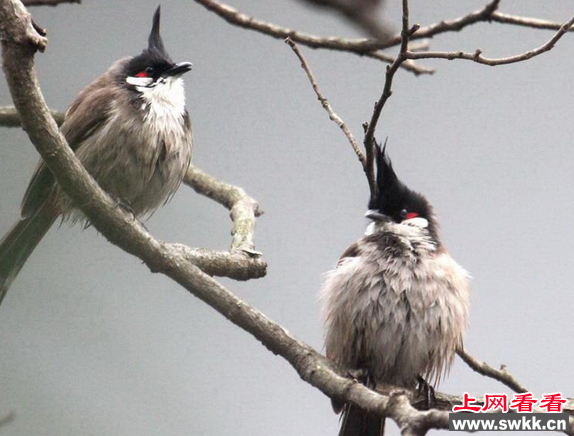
{"x":18,"y":244}
{"x":357,"y":422}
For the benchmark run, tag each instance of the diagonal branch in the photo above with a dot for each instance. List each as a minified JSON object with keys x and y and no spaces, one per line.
{"x":369,"y":141}
{"x":326,"y":105}
{"x":483,"y":368}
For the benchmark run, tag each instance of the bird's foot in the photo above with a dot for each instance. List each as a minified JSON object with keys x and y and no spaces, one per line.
{"x":426,"y":391}
{"x":128,"y":209}
{"x":358,"y":375}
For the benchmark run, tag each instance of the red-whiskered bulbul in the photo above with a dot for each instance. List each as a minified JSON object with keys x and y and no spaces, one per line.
{"x":131,"y":131}
{"x":396,"y":306}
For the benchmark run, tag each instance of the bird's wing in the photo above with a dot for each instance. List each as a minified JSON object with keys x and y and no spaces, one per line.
{"x":86,"y":114}
{"x":354,"y":250}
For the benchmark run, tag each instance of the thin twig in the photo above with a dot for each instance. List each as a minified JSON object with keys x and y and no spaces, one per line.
{"x":502,"y":375}
{"x":454,"y":25}
{"x":326,"y":105}
{"x":369,"y":141}
{"x":479,"y":58}
{"x":535,"y":23}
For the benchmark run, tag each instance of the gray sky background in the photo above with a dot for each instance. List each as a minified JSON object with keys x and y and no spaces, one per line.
{"x":92,"y":343}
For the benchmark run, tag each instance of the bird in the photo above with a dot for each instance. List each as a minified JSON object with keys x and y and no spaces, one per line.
{"x":395,"y":308}
{"x":131,"y":131}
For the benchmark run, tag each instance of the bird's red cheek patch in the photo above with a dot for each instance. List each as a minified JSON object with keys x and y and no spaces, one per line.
{"x":142,"y":74}
{"x":411,"y":215}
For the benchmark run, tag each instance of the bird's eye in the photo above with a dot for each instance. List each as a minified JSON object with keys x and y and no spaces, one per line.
{"x":148,"y":72}
{"x":406,"y":215}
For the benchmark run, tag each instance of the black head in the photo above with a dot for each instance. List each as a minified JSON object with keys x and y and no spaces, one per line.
{"x":394,"y":200}
{"x":154,"y":62}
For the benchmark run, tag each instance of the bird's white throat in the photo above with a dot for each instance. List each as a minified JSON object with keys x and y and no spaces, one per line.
{"x":164,"y":100}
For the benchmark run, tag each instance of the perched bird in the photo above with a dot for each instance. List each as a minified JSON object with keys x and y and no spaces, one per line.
{"x":396,"y":306}
{"x":131,"y":131}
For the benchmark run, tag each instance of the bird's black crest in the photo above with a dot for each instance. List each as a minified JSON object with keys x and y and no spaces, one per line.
{"x":155,"y":43}
{"x":155,"y":55}
{"x":393,"y":196}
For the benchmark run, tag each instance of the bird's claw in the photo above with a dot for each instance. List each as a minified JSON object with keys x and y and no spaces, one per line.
{"x":426,"y":391}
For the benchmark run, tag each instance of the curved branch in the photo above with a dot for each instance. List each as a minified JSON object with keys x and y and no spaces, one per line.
{"x":483,"y":368}
{"x":244,"y":209}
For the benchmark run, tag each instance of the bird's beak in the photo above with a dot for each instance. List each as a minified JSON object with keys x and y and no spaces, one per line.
{"x":178,"y":69}
{"x":375,"y":215}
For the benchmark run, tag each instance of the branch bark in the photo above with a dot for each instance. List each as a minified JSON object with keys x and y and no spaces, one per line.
{"x":325,"y":103}
{"x":370,"y":128}
{"x":483,"y":368}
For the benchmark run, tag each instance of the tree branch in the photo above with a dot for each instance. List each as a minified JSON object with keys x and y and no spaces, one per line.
{"x":454,"y":25}
{"x":326,"y":105}
{"x":535,"y":23}
{"x":362,"y":47}
{"x":369,"y":141}
{"x":244,"y":209}
{"x":502,"y":375}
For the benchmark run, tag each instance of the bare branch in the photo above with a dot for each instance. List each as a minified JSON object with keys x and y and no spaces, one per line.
{"x":326,"y":105}
{"x":535,"y":23}
{"x":454,"y":25}
{"x":48,"y":2}
{"x":369,"y":141}
{"x":244,"y":209}
{"x":479,"y":58}
{"x":362,"y":47}
{"x":502,"y":375}
{"x":9,"y":117}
